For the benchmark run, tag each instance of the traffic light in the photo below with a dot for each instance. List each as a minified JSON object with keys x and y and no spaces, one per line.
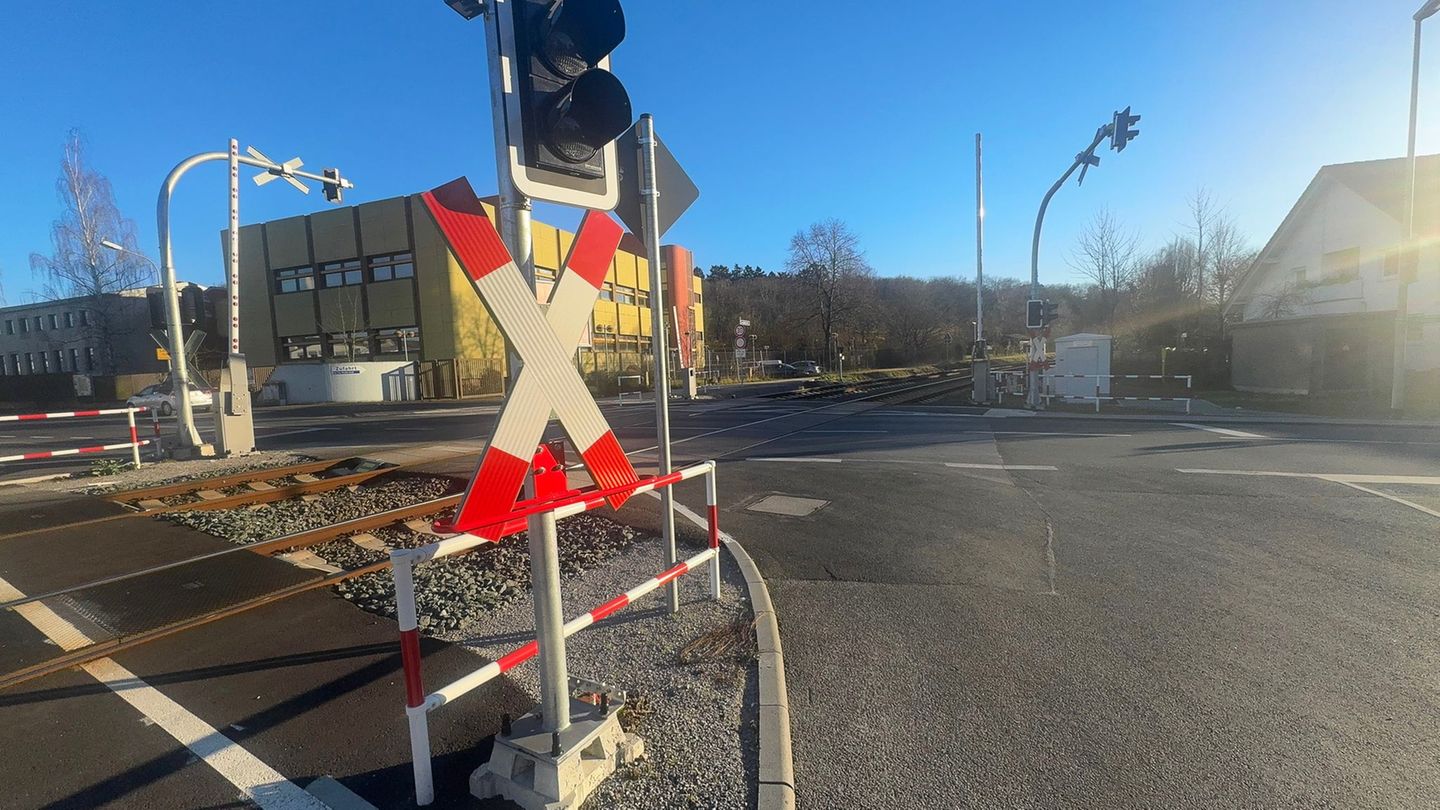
{"x":333,"y":190}
{"x":1122,"y":133}
{"x":1051,"y":313}
{"x":1035,"y":314}
{"x":563,"y":107}
{"x":155,"y":298}
{"x":192,"y":305}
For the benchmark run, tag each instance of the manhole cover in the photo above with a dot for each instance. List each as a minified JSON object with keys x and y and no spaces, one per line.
{"x":787,"y":505}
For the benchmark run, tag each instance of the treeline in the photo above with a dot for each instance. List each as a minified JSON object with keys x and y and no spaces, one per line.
{"x":828,"y":296}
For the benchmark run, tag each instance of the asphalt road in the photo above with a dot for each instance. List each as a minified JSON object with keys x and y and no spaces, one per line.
{"x":990,"y":609}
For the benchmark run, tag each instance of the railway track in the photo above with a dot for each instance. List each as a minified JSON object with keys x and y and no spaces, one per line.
{"x":366,"y":533}
{"x":840,"y":391}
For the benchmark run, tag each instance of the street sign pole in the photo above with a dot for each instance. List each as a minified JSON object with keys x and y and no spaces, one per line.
{"x":514,"y":220}
{"x":650,"y":199}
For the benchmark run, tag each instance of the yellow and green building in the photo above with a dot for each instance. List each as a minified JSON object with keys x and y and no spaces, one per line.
{"x":376,"y":282}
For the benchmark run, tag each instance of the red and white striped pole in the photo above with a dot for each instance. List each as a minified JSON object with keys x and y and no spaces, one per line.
{"x":401,"y":568}
{"x":134,"y":438}
{"x":712,"y":503}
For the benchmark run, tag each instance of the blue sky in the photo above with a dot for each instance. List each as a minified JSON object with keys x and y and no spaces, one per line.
{"x":783,"y":112}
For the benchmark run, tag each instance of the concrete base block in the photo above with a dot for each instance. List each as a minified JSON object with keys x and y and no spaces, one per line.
{"x":523,"y":769}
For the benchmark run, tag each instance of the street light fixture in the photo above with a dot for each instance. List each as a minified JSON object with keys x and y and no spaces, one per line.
{"x":1409,"y":256}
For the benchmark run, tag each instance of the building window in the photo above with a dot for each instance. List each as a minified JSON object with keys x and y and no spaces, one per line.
{"x":604,"y":343}
{"x":74,"y":359}
{"x":59,"y":361}
{"x":1341,"y":265}
{"x":44,"y":363}
{"x":24,"y":325}
{"x":643,"y":298}
{"x":29,"y":363}
{"x":392,"y":267}
{"x":349,"y":345}
{"x":340,"y":274}
{"x":545,"y":272}
{"x":607,"y":292}
{"x":39,"y":324}
{"x":89,"y":358}
{"x":54,"y":320}
{"x":69,"y":320}
{"x":288,"y":280}
{"x":84,"y":317}
{"x":1297,"y":275}
{"x":300,"y":347}
{"x":402,"y":340}
{"x":625,"y":295}
{"x":10,"y":327}
{"x":695,"y":298}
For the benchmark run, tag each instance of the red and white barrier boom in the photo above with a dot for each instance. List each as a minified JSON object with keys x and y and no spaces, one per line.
{"x":418,"y":704}
{"x":133,"y":445}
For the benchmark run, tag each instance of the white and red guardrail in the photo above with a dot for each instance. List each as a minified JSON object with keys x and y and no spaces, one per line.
{"x":133,"y":445}
{"x":418,"y":704}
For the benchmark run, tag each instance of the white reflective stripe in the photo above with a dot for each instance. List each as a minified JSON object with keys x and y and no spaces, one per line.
{"x":579,"y":623}
{"x":401,"y":570}
{"x":544,"y":356}
{"x":450,"y":691}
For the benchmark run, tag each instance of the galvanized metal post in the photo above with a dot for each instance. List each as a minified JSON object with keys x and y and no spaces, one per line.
{"x":185,"y":430}
{"x":650,"y":197}
{"x":1402,"y":295}
{"x":979,"y":245}
{"x":514,"y":220}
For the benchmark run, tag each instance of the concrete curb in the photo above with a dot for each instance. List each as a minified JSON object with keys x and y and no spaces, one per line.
{"x":776,"y":790}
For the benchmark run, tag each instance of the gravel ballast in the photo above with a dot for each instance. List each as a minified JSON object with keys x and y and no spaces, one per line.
{"x":160,"y":473}
{"x":695,"y":718}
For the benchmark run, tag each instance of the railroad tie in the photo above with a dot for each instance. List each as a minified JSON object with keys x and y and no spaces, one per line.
{"x":208,"y":495}
{"x":369,"y":541}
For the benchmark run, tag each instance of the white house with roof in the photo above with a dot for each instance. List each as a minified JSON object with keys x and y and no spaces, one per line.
{"x":1316,"y":311}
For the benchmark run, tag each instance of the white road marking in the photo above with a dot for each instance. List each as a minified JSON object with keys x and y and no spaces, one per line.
{"x":1339,"y":478}
{"x":293,"y":432}
{"x":962,"y":466}
{"x":798,"y":460}
{"x":1396,"y":498}
{"x":828,"y":430}
{"x":1046,"y":433}
{"x":1227,"y":432}
{"x":263,"y":785}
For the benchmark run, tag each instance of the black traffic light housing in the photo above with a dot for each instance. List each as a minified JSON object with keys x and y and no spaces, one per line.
{"x":192,"y":305}
{"x":571,"y":107}
{"x":334,"y":192}
{"x":1122,"y":129}
{"x":1034,"y":314}
{"x":155,"y":298}
{"x":1051,"y":313}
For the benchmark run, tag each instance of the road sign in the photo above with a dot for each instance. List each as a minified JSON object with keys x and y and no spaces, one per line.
{"x":741,"y":354}
{"x":744,"y":322}
{"x":740,"y":342}
{"x":677,"y":190}
{"x":161,"y":354}
{"x":740,"y":331}
{"x":545,"y":340}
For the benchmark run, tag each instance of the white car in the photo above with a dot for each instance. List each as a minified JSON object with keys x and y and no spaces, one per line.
{"x":161,"y":397}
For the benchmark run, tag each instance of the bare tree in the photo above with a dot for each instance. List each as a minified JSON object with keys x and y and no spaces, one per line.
{"x":1284,"y":301}
{"x":827,"y":261}
{"x":78,"y":265}
{"x":1230,"y":256}
{"x":1107,"y":256}
{"x":1205,"y":219}
{"x":345,"y":317}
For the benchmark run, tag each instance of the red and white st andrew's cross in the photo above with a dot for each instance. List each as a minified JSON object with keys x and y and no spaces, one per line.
{"x":545,"y":340}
